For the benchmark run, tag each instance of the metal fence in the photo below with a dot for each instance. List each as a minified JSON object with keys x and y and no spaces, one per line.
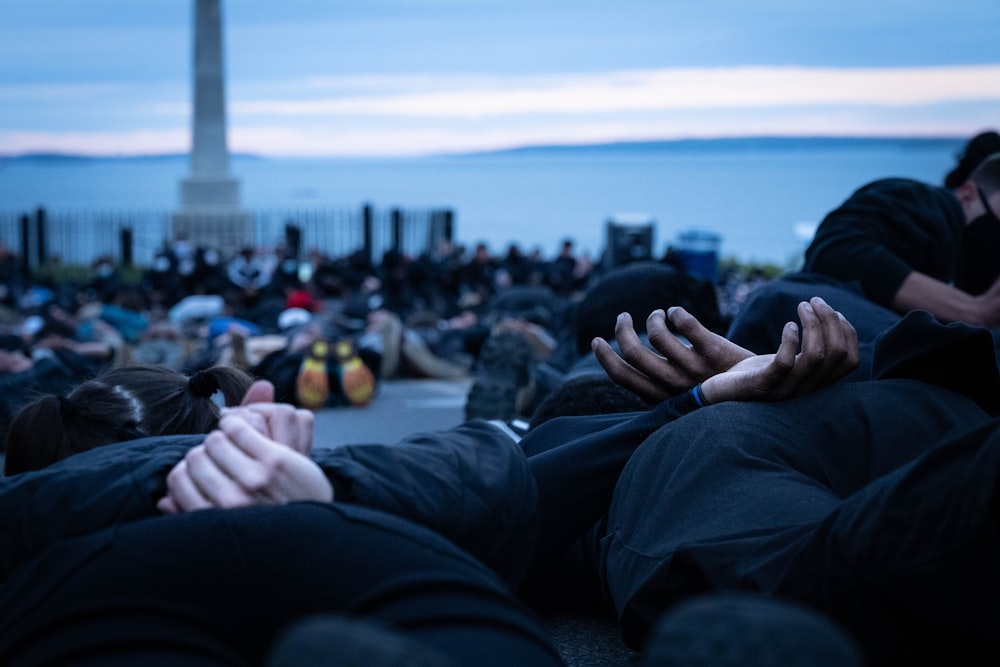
{"x":133,"y":237}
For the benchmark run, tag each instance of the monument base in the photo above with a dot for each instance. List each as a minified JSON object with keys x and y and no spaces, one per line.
{"x":227,"y":231}
{"x":216,"y":191}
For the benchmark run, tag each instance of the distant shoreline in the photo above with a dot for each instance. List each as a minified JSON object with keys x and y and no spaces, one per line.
{"x":754,"y":143}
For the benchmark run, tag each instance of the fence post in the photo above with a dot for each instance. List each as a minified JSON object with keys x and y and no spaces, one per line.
{"x":26,"y":247}
{"x":40,"y":230}
{"x":126,"y":244}
{"x":397,"y":230}
{"x":449,"y":225}
{"x":367,"y":222}
{"x":293,"y":240}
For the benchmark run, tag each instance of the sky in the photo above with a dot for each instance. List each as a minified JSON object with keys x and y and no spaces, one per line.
{"x":413,"y":77}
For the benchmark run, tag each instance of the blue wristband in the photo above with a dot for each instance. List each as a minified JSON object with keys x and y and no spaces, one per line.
{"x":699,"y":398}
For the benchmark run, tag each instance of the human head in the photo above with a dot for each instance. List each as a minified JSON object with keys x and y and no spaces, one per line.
{"x":979,"y":194}
{"x":980,"y":199}
{"x":979,"y":148}
{"x":121,"y":404}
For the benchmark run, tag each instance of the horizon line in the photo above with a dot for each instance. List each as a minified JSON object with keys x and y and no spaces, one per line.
{"x":929,"y":138}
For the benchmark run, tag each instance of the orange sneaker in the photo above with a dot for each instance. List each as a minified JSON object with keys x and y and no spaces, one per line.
{"x":356,"y":380}
{"x":312,"y":385}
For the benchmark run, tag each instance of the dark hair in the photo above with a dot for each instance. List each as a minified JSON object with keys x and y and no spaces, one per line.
{"x":121,"y":404}
{"x":977,"y":150}
{"x":987,"y":174}
{"x":589,"y":394}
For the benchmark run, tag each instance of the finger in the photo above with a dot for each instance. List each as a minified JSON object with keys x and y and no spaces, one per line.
{"x":260,"y":391}
{"x":624,"y":375}
{"x":824,"y":345}
{"x":185,"y":494}
{"x":284,"y":423}
{"x":217,"y":479}
{"x":263,"y":452}
{"x":709,"y":352}
{"x":251,"y":414}
{"x":662,"y":372}
{"x":167,"y":505}
{"x":775,"y":381}
{"x":684,"y":366}
{"x":853,"y":358}
{"x":307,"y":421}
{"x":294,"y":428}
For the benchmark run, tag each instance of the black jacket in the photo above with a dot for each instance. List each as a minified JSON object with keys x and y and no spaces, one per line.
{"x":471,"y":484}
{"x":886,"y":230}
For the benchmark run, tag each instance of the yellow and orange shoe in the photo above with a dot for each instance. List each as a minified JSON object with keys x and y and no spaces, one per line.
{"x":312,"y":384}
{"x":356,"y":380}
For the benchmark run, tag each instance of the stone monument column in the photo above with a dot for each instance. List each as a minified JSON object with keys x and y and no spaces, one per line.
{"x":209,"y":213}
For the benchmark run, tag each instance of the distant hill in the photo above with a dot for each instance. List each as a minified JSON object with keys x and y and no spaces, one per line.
{"x":754,"y":144}
{"x":740,"y":143}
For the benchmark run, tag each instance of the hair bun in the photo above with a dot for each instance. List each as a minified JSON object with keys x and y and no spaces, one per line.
{"x":203,"y":384}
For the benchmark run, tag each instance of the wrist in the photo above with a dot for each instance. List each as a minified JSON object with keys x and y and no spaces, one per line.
{"x":699,"y":396}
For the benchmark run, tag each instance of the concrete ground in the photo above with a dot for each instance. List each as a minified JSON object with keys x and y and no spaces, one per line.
{"x":586,"y":637}
{"x":399,"y":408}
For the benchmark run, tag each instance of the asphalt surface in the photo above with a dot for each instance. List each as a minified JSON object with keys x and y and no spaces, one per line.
{"x":400,"y":408}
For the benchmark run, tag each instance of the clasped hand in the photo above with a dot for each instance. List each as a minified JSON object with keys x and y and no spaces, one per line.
{"x":726,"y":371}
{"x":259,"y":454}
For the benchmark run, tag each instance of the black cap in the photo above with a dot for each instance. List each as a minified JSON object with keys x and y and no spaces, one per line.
{"x":978,"y":149}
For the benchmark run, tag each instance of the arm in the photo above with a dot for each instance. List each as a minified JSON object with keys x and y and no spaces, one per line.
{"x":728,"y":372}
{"x":947,"y":303}
{"x":471,"y":483}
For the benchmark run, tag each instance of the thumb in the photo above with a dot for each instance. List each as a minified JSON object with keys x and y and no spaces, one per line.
{"x":260,"y":391}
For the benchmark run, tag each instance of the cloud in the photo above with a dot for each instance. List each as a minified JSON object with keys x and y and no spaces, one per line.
{"x":651,"y":90}
{"x":106,"y":143}
{"x":419,"y":114}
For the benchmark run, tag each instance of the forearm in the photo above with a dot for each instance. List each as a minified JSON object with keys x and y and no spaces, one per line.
{"x":947,"y":303}
{"x":470,"y":483}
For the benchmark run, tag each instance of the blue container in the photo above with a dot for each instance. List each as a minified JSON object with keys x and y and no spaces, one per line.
{"x":698,"y":250}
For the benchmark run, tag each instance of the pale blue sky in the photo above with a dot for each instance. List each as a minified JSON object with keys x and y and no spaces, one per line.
{"x":382,"y":77}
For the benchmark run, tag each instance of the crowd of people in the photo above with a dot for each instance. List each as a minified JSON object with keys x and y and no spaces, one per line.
{"x":812,"y":481}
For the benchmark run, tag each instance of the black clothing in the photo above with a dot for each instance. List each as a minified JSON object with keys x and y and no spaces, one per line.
{"x":88,"y":568}
{"x":886,"y":230}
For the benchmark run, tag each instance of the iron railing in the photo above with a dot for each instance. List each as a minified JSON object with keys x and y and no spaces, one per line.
{"x":133,"y":237}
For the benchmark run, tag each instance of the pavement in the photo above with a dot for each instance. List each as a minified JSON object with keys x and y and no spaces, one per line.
{"x":400,"y":407}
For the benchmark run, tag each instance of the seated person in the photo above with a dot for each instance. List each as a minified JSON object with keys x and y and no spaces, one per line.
{"x":895,"y":245}
{"x":908,"y":245}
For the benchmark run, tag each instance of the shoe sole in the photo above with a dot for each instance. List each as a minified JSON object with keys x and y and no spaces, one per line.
{"x":502,"y":378}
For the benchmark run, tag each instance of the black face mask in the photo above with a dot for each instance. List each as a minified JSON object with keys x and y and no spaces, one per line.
{"x":982,"y":250}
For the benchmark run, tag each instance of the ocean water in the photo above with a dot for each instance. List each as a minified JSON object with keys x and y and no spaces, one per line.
{"x":761,"y":196}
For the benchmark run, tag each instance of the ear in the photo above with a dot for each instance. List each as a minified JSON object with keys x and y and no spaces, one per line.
{"x":260,"y":391}
{"x":968,"y":197}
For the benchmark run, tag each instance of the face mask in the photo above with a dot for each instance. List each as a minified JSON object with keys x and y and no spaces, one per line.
{"x":982,"y":253}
